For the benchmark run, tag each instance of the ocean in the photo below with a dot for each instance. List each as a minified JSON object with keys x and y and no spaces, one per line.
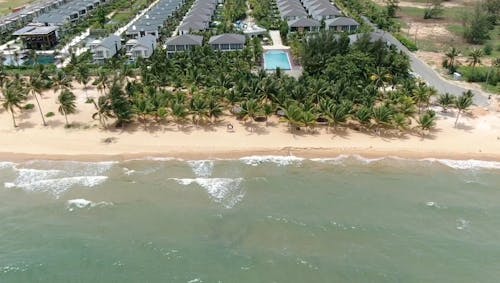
{"x":254,"y":219}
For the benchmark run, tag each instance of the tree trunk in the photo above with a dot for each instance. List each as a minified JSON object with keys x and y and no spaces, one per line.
{"x":13,"y":118}
{"x":458,"y":116}
{"x":65,"y":117}
{"x":40,"y":109}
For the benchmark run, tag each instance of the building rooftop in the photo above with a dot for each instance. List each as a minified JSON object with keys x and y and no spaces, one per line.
{"x":35,"y":30}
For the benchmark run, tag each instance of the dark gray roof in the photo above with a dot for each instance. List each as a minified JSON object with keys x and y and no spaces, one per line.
{"x":341,"y":21}
{"x":373,"y":36}
{"x":227,"y":38}
{"x":35,"y":30}
{"x":185,"y":39}
{"x":110,"y":42}
{"x":304,"y":22}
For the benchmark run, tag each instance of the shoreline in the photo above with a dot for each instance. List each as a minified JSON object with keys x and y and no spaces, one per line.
{"x":477,"y":137}
{"x":306,"y":153}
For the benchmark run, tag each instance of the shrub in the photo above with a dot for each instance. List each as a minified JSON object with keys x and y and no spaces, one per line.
{"x":407,"y":42}
{"x":49,"y":114}
{"x":487,"y":49}
{"x":29,"y":106}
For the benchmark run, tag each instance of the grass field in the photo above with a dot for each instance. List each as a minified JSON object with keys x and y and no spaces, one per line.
{"x":7,"y":5}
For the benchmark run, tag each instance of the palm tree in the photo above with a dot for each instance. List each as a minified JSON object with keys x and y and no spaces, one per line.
{"x":382,"y":116}
{"x":426,"y":121}
{"x":12,"y":100}
{"x":61,"y":81}
{"x":35,"y":87}
{"x":199,"y":108}
{"x":446,"y":100}
{"x":215,"y":109}
{"x":83,"y":76}
{"x":67,"y":104}
{"x":102,"y":81}
{"x":364,"y":116}
{"x":462,"y":103}
{"x":450,"y":60}
{"x":308,"y":119}
{"x":293,"y":115}
{"x":475,"y":57}
{"x":337,"y":114}
{"x":179,"y":111}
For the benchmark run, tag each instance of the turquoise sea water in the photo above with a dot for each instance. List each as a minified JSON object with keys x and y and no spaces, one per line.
{"x":256,"y":219}
{"x":276,"y":59}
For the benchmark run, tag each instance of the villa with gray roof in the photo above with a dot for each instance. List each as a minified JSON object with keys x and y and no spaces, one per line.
{"x":152,"y":22}
{"x":183,"y":42}
{"x":342,"y":24}
{"x":105,"y":49}
{"x":304,"y":25}
{"x":69,"y":12}
{"x":227,"y":42}
{"x":142,"y":47}
{"x":199,"y":17}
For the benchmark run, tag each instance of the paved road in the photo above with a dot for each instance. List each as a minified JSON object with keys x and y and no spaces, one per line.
{"x":427,"y":73}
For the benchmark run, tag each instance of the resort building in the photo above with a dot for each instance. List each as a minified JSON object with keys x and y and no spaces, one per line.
{"x":291,"y":10}
{"x":321,"y":9}
{"x":304,"y":25}
{"x":342,"y":24}
{"x":183,"y":43}
{"x":38,"y":37}
{"x":104,"y":49}
{"x":24,"y":15}
{"x":227,"y":42}
{"x":199,"y":17}
{"x":70,"y":12}
{"x":152,"y":22}
{"x":142,"y":47}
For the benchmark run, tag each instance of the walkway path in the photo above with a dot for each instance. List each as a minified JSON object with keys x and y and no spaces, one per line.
{"x":277,"y":44}
{"x":427,"y":73}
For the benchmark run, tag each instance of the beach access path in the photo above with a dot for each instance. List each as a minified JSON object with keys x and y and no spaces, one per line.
{"x":277,"y":43}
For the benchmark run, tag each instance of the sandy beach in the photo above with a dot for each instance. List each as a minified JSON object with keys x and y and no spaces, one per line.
{"x":476,"y":137}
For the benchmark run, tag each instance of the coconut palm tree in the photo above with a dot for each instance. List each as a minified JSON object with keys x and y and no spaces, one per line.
{"x":426,"y":121}
{"x":462,"y":103}
{"x":450,"y":62}
{"x":103,"y":110}
{"x":293,"y":115}
{"x":198,"y":106}
{"x":102,"y":81}
{"x":83,"y":76}
{"x":60,"y":81}
{"x":383,"y":116}
{"x":446,"y":100}
{"x":13,"y":98}
{"x":179,"y":111}
{"x":364,"y":116}
{"x":67,"y":104}
{"x":35,"y":88}
{"x":475,"y":57}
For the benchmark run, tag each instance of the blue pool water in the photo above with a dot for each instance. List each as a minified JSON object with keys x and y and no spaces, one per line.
{"x":276,"y":59}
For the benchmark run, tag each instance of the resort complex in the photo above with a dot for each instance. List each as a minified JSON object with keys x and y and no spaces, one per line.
{"x":312,"y":65}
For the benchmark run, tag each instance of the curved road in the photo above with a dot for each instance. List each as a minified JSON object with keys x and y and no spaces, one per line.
{"x":426,"y":72}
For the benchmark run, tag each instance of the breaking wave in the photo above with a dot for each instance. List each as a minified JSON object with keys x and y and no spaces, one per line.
{"x":79,"y":203}
{"x":61,"y":177}
{"x":276,"y":159}
{"x":202,"y":168}
{"x":226,"y":191}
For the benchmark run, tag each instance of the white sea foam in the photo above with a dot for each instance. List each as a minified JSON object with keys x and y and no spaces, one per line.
{"x":202,"y":168}
{"x":276,"y":159}
{"x":5,"y":164}
{"x":466,"y":164}
{"x":225,"y":191}
{"x":57,"y":186}
{"x":127,"y":171}
{"x":196,"y":280}
{"x":73,"y":204}
{"x":332,"y":160}
{"x":462,"y":224}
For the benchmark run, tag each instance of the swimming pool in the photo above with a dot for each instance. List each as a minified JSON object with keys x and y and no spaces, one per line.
{"x":277,"y":59}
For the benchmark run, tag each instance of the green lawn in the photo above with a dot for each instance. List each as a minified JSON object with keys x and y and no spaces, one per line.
{"x":7,"y":5}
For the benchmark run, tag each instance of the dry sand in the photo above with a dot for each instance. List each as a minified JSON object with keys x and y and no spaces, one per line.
{"x":477,"y":137}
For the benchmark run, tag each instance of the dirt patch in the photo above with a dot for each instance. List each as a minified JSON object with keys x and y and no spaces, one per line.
{"x":433,"y":59}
